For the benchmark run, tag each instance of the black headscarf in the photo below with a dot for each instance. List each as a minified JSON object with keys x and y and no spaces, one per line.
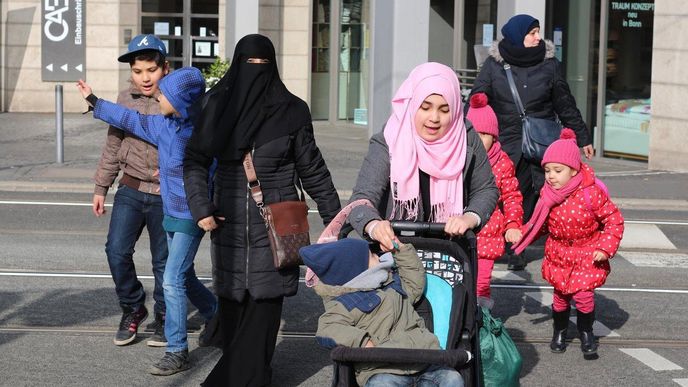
{"x":249,"y":106}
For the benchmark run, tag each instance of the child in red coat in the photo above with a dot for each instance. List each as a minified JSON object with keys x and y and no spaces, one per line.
{"x":585,"y":229}
{"x":506,"y":219}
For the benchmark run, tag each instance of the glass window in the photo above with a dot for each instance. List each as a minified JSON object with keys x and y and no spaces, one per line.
{"x":354,"y":45}
{"x":629,"y":68}
{"x":191,"y":40}
{"x":167,"y":6}
{"x":204,"y":6}
{"x":320,"y":61}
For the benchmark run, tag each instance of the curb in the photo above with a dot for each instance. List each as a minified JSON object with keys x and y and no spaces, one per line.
{"x":344,"y":194}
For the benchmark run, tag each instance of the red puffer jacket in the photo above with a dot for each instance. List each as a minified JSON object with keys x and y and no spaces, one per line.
{"x":508,"y":213}
{"x":577,"y":227}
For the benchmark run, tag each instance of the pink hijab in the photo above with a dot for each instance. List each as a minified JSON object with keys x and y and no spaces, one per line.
{"x":442,"y":159}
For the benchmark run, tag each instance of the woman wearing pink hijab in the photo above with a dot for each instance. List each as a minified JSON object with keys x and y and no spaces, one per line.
{"x":428,"y":164}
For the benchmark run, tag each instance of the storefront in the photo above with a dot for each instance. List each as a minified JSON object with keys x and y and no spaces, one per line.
{"x":188,"y":28}
{"x":613,"y":95}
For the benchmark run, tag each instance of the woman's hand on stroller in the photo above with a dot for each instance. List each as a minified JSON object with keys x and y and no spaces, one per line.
{"x":381,"y":231}
{"x":458,"y":225}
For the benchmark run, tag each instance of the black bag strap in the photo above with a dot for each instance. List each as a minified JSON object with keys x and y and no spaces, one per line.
{"x":514,"y":92}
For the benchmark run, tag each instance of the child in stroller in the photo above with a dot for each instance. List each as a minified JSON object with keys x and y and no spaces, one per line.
{"x":369,"y":303}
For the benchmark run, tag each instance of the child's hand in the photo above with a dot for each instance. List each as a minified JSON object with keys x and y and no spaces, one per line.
{"x":84,"y":88}
{"x":599,"y":256}
{"x":369,"y":344}
{"x":513,"y":235}
{"x":209,"y":223}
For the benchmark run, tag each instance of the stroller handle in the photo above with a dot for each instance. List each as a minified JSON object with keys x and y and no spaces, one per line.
{"x":418,"y":227}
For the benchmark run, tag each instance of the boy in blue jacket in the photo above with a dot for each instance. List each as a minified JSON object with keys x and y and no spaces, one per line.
{"x":170,"y":132}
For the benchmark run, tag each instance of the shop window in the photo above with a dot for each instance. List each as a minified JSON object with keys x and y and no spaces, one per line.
{"x":188,"y":29}
{"x":629,"y":68}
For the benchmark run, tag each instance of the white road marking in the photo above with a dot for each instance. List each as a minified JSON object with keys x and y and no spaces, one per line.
{"x":645,"y":236}
{"x":506,"y":275}
{"x":681,"y":382}
{"x":651,"y":359}
{"x":649,"y":259}
{"x":599,"y":329}
{"x":150,"y":277}
{"x":73,"y":204}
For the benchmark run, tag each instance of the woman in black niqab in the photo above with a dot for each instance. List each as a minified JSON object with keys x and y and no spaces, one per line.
{"x":250,"y":110}
{"x":248,"y":107}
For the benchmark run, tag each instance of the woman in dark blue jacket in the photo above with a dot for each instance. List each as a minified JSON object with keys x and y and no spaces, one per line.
{"x":544,"y":93}
{"x":250,"y":110}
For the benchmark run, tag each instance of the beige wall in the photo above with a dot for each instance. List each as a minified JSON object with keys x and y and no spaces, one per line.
{"x":287,"y":24}
{"x":669,"y":124}
{"x":23,"y":90}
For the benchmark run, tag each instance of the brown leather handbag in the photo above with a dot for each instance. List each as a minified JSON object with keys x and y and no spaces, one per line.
{"x":286,"y":222}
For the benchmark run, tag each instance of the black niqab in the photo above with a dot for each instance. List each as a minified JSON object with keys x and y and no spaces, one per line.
{"x":248,"y":107}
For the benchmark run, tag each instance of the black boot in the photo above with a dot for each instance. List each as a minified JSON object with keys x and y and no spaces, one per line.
{"x":516,"y":262}
{"x":588,"y":345}
{"x":561,"y":324}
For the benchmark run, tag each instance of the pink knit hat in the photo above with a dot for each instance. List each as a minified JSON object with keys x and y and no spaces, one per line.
{"x":564,"y":150}
{"x":482,"y":116}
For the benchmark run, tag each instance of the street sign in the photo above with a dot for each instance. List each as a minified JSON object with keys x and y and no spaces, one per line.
{"x":63,"y":41}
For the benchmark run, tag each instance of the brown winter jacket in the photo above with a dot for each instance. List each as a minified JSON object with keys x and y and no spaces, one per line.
{"x":128,"y":153}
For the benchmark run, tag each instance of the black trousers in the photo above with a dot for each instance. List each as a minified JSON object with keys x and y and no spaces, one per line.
{"x":531,"y":178}
{"x":250,"y":335}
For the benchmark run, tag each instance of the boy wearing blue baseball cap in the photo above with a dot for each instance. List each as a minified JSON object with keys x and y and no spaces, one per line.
{"x":137,"y":201}
{"x":170,"y":131}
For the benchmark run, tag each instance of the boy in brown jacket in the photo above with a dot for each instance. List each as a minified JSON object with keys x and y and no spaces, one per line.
{"x":137,"y":201}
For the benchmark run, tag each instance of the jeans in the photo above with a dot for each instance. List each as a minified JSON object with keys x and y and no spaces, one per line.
{"x":131,"y":211}
{"x":432,"y":376}
{"x":179,"y":282}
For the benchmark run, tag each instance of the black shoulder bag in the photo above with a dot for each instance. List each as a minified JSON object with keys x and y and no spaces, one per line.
{"x":537,"y":133}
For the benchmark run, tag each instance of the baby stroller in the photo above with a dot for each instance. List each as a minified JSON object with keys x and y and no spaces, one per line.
{"x":449,"y":304}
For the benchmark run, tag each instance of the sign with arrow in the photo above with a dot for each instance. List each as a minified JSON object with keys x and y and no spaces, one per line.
{"x":63,"y":41}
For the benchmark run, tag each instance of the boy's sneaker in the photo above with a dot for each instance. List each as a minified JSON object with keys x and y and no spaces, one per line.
{"x":158,"y":338}
{"x":211,"y":335}
{"x":171,"y":363}
{"x":129,"y":324}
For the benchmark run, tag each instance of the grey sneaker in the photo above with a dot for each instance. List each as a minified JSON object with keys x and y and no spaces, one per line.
{"x":158,"y":338}
{"x":171,"y":363}
{"x":129,"y":324}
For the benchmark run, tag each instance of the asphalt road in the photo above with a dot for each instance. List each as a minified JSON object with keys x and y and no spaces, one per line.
{"x":58,"y":310}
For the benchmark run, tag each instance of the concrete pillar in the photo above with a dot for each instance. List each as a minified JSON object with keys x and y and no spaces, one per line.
{"x":242,"y":18}
{"x":669,"y":123}
{"x":508,"y":8}
{"x":400,"y":32}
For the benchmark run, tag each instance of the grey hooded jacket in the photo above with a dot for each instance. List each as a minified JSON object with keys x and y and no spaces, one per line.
{"x":480,"y":191}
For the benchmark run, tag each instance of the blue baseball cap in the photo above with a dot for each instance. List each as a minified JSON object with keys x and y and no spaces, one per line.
{"x":142,"y":43}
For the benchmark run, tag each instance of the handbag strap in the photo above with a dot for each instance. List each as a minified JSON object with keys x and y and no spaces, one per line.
{"x":254,"y":183}
{"x":514,"y":92}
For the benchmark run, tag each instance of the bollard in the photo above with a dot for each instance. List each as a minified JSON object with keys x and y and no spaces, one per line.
{"x":59,"y":124}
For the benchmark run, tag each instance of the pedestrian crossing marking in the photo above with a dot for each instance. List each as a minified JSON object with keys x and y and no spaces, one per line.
{"x":651,"y":359}
{"x":682,"y":382}
{"x":598,"y":329}
{"x":649,"y":259}
{"x":506,"y":275}
{"x":645,"y":236}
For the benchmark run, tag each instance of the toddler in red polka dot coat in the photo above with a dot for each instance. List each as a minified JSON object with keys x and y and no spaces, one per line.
{"x":585,"y":229}
{"x":507,"y":217}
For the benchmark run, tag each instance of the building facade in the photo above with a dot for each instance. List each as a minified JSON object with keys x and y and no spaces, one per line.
{"x":347,"y":57}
